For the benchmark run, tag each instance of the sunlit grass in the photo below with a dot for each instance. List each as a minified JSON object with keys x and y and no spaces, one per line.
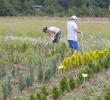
{"x":32,"y":26}
{"x":99,"y":28}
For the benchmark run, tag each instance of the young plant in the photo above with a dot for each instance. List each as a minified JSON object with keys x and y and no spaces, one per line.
{"x":39,"y":96}
{"x":98,"y":67}
{"x":53,"y":63}
{"x":2,"y":72}
{"x":79,"y":79}
{"x":88,"y":70}
{"x":40,"y":73}
{"x":7,"y":88}
{"x":44,"y":90}
{"x":98,"y":98}
{"x":17,"y":98}
{"x":39,"y":70}
{"x":55,"y":93}
{"x":71,"y":83}
{"x":47,"y":73}
{"x":17,"y":71}
{"x":66,"y":63}
{"x":28,"y":80}
{"x":64,"y":84}
{"x":21,"y":82}
{"x":32,"y":97}
{"x":107,"y":95}
{"x":13,"y":72}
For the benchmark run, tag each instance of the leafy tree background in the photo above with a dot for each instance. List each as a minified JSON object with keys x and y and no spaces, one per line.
{"x":98,"y":8}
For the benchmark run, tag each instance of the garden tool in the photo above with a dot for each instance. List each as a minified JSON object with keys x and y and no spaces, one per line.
{"x":82,"y":45}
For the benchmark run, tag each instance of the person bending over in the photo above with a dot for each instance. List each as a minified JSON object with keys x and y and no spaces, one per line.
{"x":54,"y":34}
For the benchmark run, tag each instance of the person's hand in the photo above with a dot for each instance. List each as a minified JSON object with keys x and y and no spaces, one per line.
{"x":48,"y":38}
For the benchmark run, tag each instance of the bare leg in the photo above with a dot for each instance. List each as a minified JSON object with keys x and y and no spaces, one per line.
{"x":70,"y":51}
{"x":75,"y":51}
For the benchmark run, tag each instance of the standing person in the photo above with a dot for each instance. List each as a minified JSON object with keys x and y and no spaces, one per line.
{"x":72,"y":34}
{"x":54,"y":33}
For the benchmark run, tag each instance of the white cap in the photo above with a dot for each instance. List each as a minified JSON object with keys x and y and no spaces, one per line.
{"x":74,"y":17}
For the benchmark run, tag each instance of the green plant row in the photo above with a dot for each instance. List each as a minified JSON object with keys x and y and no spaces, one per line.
{"x":31,"y":57}
{"x":102,"y":60}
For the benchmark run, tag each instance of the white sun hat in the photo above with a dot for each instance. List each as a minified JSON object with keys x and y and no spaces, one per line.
{"x":74,"y":17}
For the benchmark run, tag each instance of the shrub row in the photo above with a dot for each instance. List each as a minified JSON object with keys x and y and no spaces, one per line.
{"x":97,"y":62}
{"x":86,"y":59}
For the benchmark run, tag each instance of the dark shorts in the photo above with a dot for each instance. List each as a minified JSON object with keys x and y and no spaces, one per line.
{"x":73,"y":44}
{"x":57,"y":37}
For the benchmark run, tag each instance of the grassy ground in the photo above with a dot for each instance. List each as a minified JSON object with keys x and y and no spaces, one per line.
{"x":32,"y":26}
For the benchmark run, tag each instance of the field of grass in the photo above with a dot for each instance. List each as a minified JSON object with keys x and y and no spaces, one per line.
{"x":32,"y":26}
{"x":27,"y":60}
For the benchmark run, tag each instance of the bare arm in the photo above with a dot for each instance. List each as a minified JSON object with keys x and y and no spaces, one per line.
{"x":49,"y":35}
{"x":78,"y":31}
{"x":53,"y":34}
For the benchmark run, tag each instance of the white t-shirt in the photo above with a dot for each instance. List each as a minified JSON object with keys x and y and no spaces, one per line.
{"x":53,"y":29}
{"x":72,"y":34}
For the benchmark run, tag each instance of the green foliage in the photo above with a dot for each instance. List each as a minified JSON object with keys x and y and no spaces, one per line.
{"x":100,"y":12}
{"x":71,"y":83}
{"x":17,"y":98}
{"x":13,"y":72}
{"x":55,"y":93}
{"x":10,"y":7}
{"x":80,"y":77}
{"x":44,"y":90}
{"x":32,"y":97}
{"x":50,"y":10}
{"x":107,"y":95}
{"x":28,"y":80}
{"x":39,"y":96}
{"x":47,"y":73}
{"x":64,"y":84}
{"x":17,"y":71}
{"x":98,"y":98}
{"x":40,"y":70}
{"x":105,"y":62}
{"x":2,"y":72}
{"x":87,"y":70}
{"x":31,"y":69}
{"x":6,"y":8}
{"x":98,"y":67}
{"x":21,"y":82}
{"x":54,"y":60}
{"x":58,"y":7}
{"x":82,"y":97}
{"x":7,"y":88}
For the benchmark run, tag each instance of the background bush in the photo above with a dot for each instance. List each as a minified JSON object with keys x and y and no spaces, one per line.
{"x":98,"y":8}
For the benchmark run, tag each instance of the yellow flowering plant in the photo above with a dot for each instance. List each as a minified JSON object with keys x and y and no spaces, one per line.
{"x":77,"y":59}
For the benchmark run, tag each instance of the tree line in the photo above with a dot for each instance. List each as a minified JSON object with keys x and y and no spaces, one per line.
{"x":97,"y":8}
